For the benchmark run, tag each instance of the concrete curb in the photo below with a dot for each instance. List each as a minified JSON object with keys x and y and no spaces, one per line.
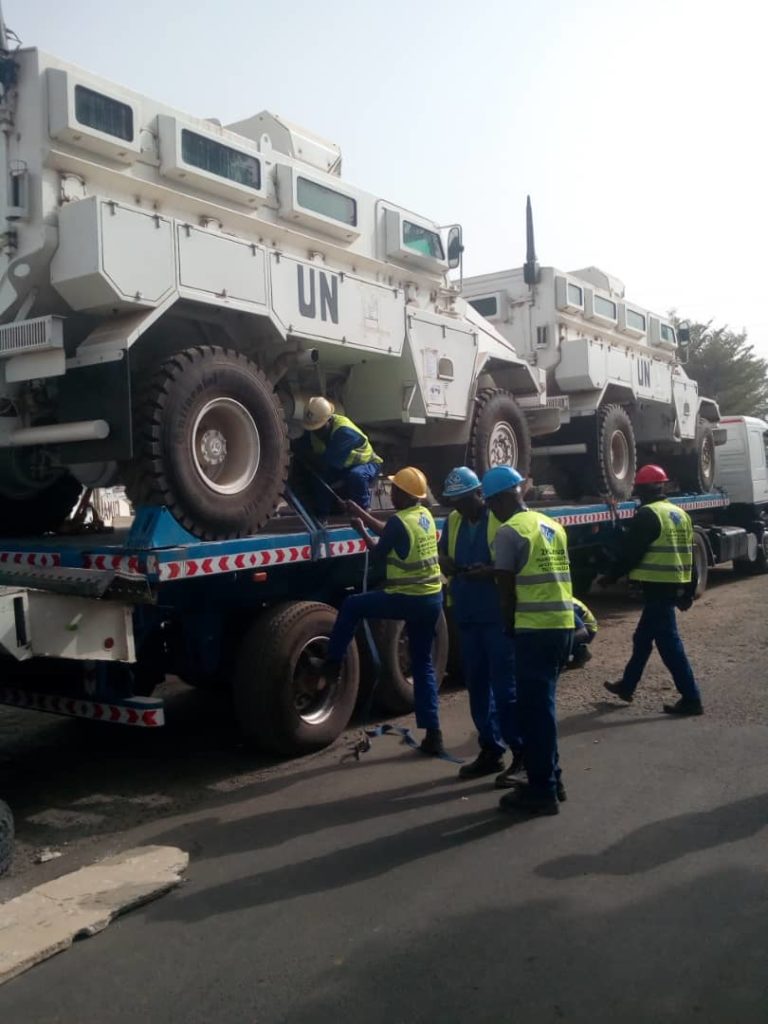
{"x":47,"y":919}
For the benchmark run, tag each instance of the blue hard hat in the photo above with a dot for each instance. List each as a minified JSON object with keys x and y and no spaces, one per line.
{"x":500,"y":478}
{"x":460,"y":481}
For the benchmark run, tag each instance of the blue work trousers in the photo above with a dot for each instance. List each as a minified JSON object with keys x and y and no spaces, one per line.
{"x":420,"y":615}
{"x":488,"y":657}
{"x":353,"y":483}
{"x":540,"y":654}
{"x":658,"y":624}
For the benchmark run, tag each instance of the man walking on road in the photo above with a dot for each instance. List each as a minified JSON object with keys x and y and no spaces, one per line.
{"x":412,"y":592}
{"x":534,"y":580}
{"x":658,"y":553}
{"x":487,"y":651}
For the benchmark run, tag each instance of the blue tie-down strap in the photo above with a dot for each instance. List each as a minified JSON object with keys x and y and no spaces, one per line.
{"x":404,"y":733}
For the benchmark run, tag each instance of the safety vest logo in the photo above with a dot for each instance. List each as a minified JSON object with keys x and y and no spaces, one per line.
{"x":547,"y":533}
{"x":675,"y":517}
{"x":424,"y":522}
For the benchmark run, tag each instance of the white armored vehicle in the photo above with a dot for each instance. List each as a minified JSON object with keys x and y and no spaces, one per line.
{"x":172,"y":291}
{"x":615,"y":370}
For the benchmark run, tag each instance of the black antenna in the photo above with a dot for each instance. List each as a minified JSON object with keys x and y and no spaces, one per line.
{"x":531,"y":273}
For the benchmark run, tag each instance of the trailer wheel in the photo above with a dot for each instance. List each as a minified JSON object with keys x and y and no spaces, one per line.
{"x":395,"y":689}
{"x":500,"y":435}
{"x":695,"y":471}
{"x":6,"y":837}
{"x":616,"y":452}
{"x":210,"y":443}
{"x":701,"y":563}
{"x":42,"y":511}
{"x":278,"y":702}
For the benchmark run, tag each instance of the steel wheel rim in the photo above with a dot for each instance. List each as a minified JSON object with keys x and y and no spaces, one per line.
{"x":226,"y":447}
{"x":707,"y":457}
{"x":404,"y":657}
{"x":619,"y":448}
{"x":502,"y":445}
{"x":314,"y":698}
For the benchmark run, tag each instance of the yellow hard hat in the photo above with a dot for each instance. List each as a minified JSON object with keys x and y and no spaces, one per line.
{"x":317,"y":413}
{"x":410,"y":480}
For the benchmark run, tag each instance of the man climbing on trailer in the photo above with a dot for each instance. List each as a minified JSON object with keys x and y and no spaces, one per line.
{"x":658,"y":553}
{"x":339,"y":453}
{"x":412,"y":592}
{"x":534,"y":580}
{"x":487,"y":651}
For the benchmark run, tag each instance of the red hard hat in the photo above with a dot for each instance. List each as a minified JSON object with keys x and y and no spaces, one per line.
{"x":651,"y":475}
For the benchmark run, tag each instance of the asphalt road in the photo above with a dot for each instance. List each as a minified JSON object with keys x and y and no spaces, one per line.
{"x":386,"y":891}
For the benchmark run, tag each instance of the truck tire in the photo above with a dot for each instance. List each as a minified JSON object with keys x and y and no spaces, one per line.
{"x":695,"y":471}
{"x":6,"y":837}
{"x":616,"y":452}
{"x":41,"y":512}
{"x":394,"y":692}
{"x":278,"y":705}
{"x":701,"y":563}
{"x":500,"y":435}
{"x":211,"y":444}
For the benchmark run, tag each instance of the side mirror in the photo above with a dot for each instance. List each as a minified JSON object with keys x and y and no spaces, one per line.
{"x":455,"y":247}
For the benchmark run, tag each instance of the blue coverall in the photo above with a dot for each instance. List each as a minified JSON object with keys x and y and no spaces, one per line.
{"x":487,"y":653}
{"x":420,"y":615}
{"x":352,"y":482}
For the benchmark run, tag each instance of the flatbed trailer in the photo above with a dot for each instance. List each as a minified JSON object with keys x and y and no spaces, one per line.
{"x":91,"y":623}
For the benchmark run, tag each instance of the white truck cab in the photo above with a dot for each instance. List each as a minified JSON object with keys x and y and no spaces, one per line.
{"x":742,"y":462}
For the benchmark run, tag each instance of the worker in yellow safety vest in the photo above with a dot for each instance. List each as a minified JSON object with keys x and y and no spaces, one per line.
{"x":658,"y":554}
{"x":339,"y":453}
{"x":412,"y":592}
{"x":487,"y":651}
{"x":534,"y":580}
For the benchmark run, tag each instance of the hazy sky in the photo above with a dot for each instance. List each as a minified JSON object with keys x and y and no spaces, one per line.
{"x":640,"y":129}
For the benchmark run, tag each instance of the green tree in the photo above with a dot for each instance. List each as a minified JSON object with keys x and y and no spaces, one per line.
{"x":725,"y":366}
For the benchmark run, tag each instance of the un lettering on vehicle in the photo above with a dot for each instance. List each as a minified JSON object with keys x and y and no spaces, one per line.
{"x":644,"y":373}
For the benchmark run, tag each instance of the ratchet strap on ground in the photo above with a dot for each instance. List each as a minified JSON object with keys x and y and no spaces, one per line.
{"x":407,"y":737}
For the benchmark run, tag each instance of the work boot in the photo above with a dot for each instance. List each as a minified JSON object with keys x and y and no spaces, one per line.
{"x":685,"y":707}
{"x":580,"y":658}
{"x":433,"y":743}
{"x":521,"y":801}
{"x":620,"y":690}
{"x":507,"y":778}
{"x":486,"y":763}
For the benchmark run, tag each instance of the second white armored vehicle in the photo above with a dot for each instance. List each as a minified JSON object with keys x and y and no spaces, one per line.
{"x":613,"y":367}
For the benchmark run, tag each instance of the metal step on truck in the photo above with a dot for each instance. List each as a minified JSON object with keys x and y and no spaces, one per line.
{"x":91,"y":623}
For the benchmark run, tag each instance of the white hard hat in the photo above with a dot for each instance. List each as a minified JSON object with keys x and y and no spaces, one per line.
{"x":317,"y":413}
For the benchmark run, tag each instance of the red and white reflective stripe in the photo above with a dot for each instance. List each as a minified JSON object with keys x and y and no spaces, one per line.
{"x":197,"y":567}
{"x":75,"y":707}
{"x":696,"y":503}
{"x":586,"y":518}
{"x":347,"y":547}
{"x":38,"y":558}
{"x":126,"y":565}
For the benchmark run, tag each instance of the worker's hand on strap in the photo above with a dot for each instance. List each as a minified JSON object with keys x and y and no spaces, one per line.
{"x":357,"y":524}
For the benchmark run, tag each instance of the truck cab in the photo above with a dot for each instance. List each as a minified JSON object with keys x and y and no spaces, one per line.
{"x":742,"y":463}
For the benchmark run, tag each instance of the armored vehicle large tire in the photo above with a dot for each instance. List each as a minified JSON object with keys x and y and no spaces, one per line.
{"x":500,"y":435}
{"x":394,"y":692}
{"x":40,"y":512}
{"x":616,"y":452}
{"x":6,"y":837}
{"x":278,"y":702}
{"x":210,"y":443}
{"x":696,"y":470}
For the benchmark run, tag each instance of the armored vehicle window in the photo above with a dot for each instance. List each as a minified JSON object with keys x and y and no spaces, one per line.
{"x":103,"y":113}
{"x":326,"y":201}
{"x":604,"y":307}
{"x":635,"y":319}
{"x":668,"y":334}
{"x":223,"y":161}
{"x":575,"y":295}
{"x":485,"y":307}
{"x":422,"y":240}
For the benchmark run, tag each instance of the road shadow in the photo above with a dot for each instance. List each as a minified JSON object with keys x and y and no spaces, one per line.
{"x":667,"y":840}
